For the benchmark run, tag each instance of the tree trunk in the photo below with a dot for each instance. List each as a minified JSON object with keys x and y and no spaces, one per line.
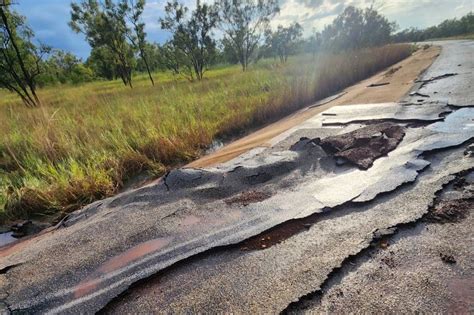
{"x":142,"y":53}
{"x":26,"y":74}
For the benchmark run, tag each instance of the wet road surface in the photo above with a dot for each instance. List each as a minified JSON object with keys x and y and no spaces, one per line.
{"x":269,"y":230}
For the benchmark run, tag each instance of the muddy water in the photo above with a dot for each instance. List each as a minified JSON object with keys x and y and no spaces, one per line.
{"x":215,"y":145}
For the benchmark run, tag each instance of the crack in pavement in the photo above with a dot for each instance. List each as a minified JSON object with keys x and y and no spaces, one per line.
{"x":424,"y":82}
{"x":230,"y":262}
{"x":384,"y":269}
{"x":352,"y":262}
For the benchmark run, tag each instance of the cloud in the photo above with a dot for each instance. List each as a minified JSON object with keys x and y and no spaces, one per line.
{"x":315,"y":14}
{"x":311,"y":3}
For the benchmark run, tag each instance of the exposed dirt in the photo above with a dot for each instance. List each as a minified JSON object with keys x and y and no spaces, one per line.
{"x":401,"y":81}
{"x":450,"y":211}
{"x":279,"y":233}
{"x":363,"y":146}
{"x":247,"y":197}
{"x":449,"y":259}
{"x":276,"y":235}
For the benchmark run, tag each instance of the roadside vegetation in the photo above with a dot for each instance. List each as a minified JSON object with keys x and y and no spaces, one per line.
{"x":462,"y":28}
{"x":135,"y":107}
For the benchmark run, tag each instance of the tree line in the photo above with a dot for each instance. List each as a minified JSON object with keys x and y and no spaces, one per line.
{"x":447,"y":28}
{"x":115,"y":30}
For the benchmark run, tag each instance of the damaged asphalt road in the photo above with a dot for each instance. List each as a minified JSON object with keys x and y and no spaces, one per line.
{"x":360,"y":172}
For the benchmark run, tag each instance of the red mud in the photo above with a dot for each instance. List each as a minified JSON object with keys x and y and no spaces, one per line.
{"x":92,"y":282}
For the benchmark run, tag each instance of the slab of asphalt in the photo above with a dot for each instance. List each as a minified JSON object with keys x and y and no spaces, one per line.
{"x":427,"y":268}
{"x":256,"y":233}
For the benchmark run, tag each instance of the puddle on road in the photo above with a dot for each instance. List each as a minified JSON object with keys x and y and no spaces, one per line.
{"x":215,"y":145}
{"x":6,"y":238}
{"x":92,"y":282}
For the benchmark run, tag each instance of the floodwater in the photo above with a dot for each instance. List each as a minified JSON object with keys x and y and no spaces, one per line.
{"x":6,"y":238}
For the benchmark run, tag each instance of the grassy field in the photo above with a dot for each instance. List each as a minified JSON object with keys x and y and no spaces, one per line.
{"x":87,"y":140}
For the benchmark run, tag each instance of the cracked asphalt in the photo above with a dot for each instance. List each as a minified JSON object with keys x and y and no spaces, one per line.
{"x":291,"y":227}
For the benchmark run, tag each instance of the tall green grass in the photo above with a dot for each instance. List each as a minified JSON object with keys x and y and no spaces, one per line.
{"x":87,"y":140}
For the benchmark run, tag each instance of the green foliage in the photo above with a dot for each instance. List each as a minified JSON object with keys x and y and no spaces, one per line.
{"x":153,"y":57}
{"x":104,"y":25}
{"x":102,"y":63}
{"x":447,"y":28}
{"x":20,"y":59}
{"x":243,"y":23}
{"x":284,"y":41}
{"x":192,"y":42}
{"x":356,"y":28}
{"x":134,"y":10}
{"x":63,"y":68}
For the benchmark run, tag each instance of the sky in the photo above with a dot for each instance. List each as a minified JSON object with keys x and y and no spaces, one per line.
{"x":49,"y":18}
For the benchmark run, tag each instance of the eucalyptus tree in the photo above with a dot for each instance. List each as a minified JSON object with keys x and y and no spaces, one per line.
{"x":284,"y":41}
{"x":243,"y":23}
{"x":20,"y":59}
{"x":104,"y":24}
{"x":356,"y":28}
{"x":138,"y":37}
{"x":192,"y":36}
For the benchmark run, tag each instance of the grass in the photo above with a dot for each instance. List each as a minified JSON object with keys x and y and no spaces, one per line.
{"x":87,"y":141}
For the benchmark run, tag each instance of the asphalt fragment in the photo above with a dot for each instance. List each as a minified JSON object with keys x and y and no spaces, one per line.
{"x":439,"y":77}
{"x":363,"y":146}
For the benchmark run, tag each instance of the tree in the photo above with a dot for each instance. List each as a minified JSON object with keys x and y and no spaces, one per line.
{"x":20,"y":59}
{"x":101,"y":60}
{"x":176,"y":61}
{"x":447,"y":28}
{"x":243,"y":23}
{"x":192,"y":36}
{"x":284,"y":40}
{"x":138,"y":39}
{"x":64,"y":67}
{"x":104,"y":24}
{"x":356,"y":28}
{"x":153,"y":57}
{"x":313,"y":43}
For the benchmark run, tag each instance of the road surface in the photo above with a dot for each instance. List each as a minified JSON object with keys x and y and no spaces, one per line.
{"x":358,"y":208}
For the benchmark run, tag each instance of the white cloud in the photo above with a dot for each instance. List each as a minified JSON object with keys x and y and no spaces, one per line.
{"x":407,"y":13}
